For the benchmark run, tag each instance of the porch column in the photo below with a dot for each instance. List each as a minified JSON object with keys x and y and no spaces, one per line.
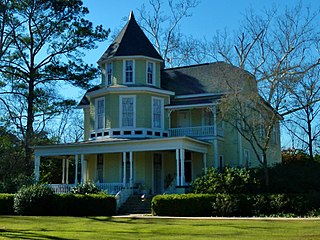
{"x":131,"y":169}
{"x":67,"y":171}
{"x":182,"y":166}
{"x":82,"y":168}
{"x":63,"y":170}
{"x":124,"y":160}
{"x":215,"y":141}
{"x":37,"y":168}
{"x":205,"y":163}
{"x":177,"y":167}
{"x":76,"y":169}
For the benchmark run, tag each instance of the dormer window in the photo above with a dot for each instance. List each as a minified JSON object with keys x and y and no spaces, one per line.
{"x":128,"y":71}
{"x":150,"y":73}
{"x":109,"y":70}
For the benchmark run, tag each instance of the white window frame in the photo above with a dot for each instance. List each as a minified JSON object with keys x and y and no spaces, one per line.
{"x":107,"y":73}
{"x":153,"y":73}
{"x":161,"y":113}
{"x":134,"y":110}
{"x":96,"y":113}
{"x":124,"y":71}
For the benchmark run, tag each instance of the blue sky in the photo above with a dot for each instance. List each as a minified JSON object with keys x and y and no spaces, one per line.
{"x":208,"y":17}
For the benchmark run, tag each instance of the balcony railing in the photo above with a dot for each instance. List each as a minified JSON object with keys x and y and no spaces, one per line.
{"x":110,"y":188}
{"x":201,"y":131}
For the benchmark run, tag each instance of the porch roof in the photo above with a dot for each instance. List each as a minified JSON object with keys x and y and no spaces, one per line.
{"x":123,"y":145}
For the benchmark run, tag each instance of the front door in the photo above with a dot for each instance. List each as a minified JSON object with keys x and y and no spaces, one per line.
{"x":157,"y":173}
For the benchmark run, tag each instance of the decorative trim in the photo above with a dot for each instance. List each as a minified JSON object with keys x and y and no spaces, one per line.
{"x":103,"y":91}
{"x":127,"y":133}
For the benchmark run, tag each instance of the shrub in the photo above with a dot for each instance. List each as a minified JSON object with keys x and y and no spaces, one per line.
{"x":84,"y":205}
{"x":229,"y":180}
{"x":6,"y":204}
{"x":85,"y":188}
{"x":182,"y":205}
{"x":33,"y":200}
{"x":293,"y":177}
{"x":225,"y":205}
{"x":244,"y":205}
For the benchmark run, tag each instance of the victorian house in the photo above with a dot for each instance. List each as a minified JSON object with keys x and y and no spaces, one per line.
{"x":151,"y":128}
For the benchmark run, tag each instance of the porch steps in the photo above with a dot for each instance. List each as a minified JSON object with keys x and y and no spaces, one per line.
{"x":135,"y":204}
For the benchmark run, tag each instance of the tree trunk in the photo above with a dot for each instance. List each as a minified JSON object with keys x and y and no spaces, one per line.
{"x":29,"y":131}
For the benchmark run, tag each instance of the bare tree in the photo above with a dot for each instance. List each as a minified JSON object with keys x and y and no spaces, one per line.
{"x":304,"y":123}
{"x":162,"y":26}
{"x":280,"y":50}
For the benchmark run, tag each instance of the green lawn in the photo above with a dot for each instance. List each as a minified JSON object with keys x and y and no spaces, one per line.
{"x":17,"y":227}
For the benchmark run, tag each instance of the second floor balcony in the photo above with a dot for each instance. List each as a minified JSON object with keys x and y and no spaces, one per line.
{"x":199,"y":131}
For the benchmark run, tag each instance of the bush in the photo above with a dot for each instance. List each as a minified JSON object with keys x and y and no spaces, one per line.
{"x":229,"y":180}
{"x":181,"y":205}
{"x":40,"y":200}
{"x":85,"y":188}
{"x":245,"y":205}
{"x":33,"y":200}
{"x":294,"y":177}
{"x":84,"y":205}
{"x":6,"y":204}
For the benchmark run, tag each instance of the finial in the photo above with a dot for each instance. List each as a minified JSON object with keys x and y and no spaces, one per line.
{"x":131,"y":15}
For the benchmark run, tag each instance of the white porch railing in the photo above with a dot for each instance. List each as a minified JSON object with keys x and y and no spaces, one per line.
{"x":61,"y":188}
{"x":201,"y":131}
{"x":110,"y":188}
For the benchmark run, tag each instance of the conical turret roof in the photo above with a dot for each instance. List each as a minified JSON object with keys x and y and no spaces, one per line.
{"x":131,"y":41}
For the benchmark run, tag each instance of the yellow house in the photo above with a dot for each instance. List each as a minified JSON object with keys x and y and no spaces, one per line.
{"x":154,"y":129}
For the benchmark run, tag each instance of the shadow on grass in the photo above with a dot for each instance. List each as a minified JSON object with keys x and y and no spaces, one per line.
{"x":20,"y":234}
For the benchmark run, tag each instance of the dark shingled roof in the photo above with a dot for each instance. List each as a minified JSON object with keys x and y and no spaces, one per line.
{"x":216,"y":77}
{"x":131,"y":41}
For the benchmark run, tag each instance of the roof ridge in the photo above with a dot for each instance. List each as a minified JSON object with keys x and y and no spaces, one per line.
{"x":197,"y":65}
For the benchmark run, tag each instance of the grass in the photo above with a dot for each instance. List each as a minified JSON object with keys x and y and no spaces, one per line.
{"x":18,"y":227}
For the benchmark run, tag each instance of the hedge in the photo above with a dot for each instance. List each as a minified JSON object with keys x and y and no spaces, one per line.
{"x":37,"y":200}
{"x":243,"y":205}
{"x":84,"y":205}
{"x":6,"y":204}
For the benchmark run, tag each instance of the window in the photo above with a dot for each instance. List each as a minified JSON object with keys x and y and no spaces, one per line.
{"x":157,"y":112}
{"x":127,"y":111}
{"x":150,"y":73}
{"x":109,"y":73}
{"x":100,"y":168}
{"x":128,"y":71}
{"x":247,"y":159}
{"x":100,"y":114}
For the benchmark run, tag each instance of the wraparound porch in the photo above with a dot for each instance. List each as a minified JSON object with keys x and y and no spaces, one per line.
{"x":122,"y":163}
